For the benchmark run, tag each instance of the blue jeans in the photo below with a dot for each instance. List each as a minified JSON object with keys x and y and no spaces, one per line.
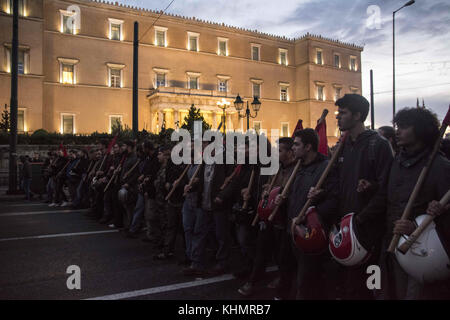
{"x":138,"y":213}
{"x":195,"y":227}
{"x":50,"y":189}
{"x":26,"y":183}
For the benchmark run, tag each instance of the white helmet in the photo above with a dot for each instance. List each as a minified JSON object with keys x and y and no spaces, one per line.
{"x":344,"y":246}
{"x":426,"y":261}
{"x":122,"y":195}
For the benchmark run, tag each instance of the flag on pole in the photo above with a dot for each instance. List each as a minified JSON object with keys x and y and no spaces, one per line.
{"x":321,"y":129}
{"x":111,"y":144}
{"x":299,"y":126}
{"x":63,"y":149}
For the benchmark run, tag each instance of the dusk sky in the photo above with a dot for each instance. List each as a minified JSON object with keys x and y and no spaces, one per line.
{"x":422,"y":39}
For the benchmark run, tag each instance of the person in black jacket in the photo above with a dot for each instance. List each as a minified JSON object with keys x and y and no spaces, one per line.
{"x":363,"y":168}
{"x":128,"y":185}
{"x":146,"y":173}
{"x":417,"y":132}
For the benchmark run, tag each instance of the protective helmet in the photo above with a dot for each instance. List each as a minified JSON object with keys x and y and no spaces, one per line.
{"x":123,"y":195}
{"x":344,"y":246}
{"x":426,"y":261}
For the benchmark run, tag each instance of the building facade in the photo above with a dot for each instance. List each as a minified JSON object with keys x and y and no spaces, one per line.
{"x":75,"y":70}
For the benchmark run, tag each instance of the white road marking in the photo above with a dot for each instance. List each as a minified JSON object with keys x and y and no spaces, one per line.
{"x":60,"y":235}
{"x":26,"y":204}
{"x":11,"y":214}
{"x":171,"y":287}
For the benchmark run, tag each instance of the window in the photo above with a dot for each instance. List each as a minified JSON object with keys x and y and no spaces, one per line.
{"x":115,"y":80}
{"x":68,"y":21}
{"x":21,"y":120}
{"x":193,"y":41}
{"x":23,"y":60}
{"x":256,"y":52}
{"x":223,"y":47}
{"x":285,"y":129}
{"x":283,"y":57}
{"x":193,"y":82}
{"x":257,"y":90}
{"x":67,"y":70}
{"x":223,"y":85}
{"x":68,"y":73}
{"x":115,"y":29}
{"x":283,"y":93}
{"x":319,"y":56}
{"x":337,"y":61}
{"x":353,"y":63}
{"x":115,"y":121}
{"x":115,"y":75}
{"x":160,"y":36}
{"x":337,"y":93}
{"x":67,"y":123}
{"x":257,"y":126}
{"x":22,"y":11}
{"x":160,"y":80}
{"x":320,"y":93}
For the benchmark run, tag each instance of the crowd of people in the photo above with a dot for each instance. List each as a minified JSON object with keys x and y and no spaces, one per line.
{"x":137,"y":188}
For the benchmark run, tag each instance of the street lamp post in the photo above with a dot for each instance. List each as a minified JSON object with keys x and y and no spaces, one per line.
{"x":393,"y":54}
{"x":239,"y":105}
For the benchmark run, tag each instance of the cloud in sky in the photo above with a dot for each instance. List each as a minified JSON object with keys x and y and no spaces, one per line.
{"x":422,"y":39}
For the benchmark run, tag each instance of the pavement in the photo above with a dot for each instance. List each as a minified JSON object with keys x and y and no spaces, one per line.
{"x":38,"y":244}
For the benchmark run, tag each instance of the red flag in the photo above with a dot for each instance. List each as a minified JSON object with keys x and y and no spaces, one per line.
{"x":61,"y":147}
{"x":321,"y":130}
{"x":299,"y":126}
{"x":447,"y":118}
{"x":111,"y":144}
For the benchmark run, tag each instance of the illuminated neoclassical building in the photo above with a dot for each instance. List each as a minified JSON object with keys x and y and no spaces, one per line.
{"x":75,"y":65}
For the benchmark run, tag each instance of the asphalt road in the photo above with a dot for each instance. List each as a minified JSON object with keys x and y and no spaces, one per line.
{"x":38,"y":244}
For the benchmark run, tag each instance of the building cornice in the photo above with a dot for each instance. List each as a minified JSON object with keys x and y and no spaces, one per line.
{"x":209,"y":24}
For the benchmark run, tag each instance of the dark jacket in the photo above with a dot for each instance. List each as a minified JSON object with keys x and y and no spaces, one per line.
{"x":128,"y":164}
{"x":26,"y":170}
{"x":389,"y":203}
{"x":369,"y":157}
{"x":307,"y":177}
{"x":173,"y":172}
{"x":150,"y":170}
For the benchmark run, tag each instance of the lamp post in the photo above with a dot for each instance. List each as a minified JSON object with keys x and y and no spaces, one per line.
{"x":393,"y":54}
{"x":239,"y":105}
{"x":223,"y":105}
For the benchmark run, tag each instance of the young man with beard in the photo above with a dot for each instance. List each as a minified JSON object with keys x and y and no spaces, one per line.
{"x":308,"y":268}
{"x":363,"y":168}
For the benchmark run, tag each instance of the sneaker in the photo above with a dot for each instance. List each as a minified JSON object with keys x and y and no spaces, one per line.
{"x":246,"y":290}
{"x":112,"y":225}
{"x":52,"y":204}
{"x":64,"y":204}
{"x":274,"y":283}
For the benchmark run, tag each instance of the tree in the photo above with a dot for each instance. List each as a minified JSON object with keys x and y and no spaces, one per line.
{"x":5,"y":120}
{"x":194,"y":115}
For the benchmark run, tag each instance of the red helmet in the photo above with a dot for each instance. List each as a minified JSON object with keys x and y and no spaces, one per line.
{"x":344,"y":246}
{"x":309,"y":237}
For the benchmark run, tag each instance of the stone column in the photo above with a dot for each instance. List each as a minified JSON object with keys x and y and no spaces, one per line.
{"x":160,"y":119}
{"x":176,"y":118}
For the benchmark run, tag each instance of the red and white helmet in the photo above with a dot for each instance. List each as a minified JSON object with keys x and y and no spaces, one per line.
{"x":344,"y":246}
{"x":426,"y":260}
